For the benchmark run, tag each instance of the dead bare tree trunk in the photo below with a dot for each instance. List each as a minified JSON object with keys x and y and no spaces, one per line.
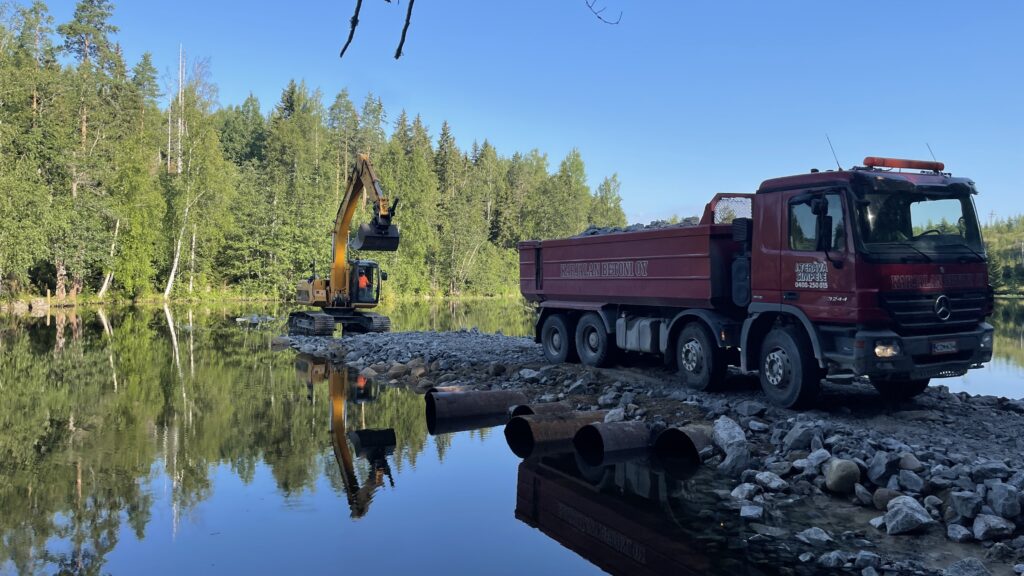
{"x":110,"y":274}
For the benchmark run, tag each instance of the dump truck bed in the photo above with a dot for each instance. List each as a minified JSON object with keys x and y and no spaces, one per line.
{"x":680,"y":266}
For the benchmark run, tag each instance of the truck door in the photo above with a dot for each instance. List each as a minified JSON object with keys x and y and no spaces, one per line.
{"x":817,"y":264}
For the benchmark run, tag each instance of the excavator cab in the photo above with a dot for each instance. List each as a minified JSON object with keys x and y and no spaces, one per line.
{"x":366,"y":280}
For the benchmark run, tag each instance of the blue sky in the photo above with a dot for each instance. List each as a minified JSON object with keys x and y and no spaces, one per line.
{"x":681,"y":99}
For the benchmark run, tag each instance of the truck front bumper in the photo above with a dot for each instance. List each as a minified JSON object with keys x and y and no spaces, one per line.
{"x":886,"y":354}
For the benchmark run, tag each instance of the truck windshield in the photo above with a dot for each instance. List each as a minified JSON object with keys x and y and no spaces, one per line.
{"x":923,"y":220}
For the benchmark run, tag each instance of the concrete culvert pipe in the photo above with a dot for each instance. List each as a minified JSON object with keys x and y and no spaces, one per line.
{"x":545,"y":408}
{"x":540,"y":434}
{"x":600,"y":443}
{"x":453,"y":411}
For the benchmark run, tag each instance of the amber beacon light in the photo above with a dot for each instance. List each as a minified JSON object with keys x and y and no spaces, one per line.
{"x":878,"y":162}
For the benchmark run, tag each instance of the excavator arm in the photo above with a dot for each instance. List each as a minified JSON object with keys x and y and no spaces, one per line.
{"x":377,"y":235}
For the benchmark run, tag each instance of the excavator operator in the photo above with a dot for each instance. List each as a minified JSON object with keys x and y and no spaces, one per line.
{"x":364,"y":287}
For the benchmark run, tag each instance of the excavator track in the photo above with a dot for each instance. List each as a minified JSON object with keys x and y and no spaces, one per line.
{"x":362,"y":322}
{"x":311,"y":323}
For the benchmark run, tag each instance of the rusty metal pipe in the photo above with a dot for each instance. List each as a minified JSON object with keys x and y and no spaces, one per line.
{"x":545,"y":408}
{"x":436,"y":389}
{"x":601,"y":443}
{"x":681,"y":444}
{"x":453,"y":411}
{"x":538,"y":434}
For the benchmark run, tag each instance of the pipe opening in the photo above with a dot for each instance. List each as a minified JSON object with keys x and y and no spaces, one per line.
{"x":519,"y":436}
{"x":589,"y":445}
{"x":431,"y":412}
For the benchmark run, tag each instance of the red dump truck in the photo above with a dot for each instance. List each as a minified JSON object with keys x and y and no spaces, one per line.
{"x":877,"y":271}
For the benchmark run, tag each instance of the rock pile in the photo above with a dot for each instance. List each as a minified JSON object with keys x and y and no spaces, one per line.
{"x":687,"y":222}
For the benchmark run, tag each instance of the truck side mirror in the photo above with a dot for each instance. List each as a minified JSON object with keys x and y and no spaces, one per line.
{"x":824,"y":232}
{"x":383,"y":275}
{"x":819,"y":206}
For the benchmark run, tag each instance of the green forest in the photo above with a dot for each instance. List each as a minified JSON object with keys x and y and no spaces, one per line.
{"x":115,"y":186}
{"x":118,"y":187}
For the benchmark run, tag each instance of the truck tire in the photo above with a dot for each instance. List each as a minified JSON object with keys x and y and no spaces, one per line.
{"x":701,"y":363}
{"x":592,"y":343}
{"x":790,"y":376}
{"x":899,"y":389}
{"x":557,"y":341}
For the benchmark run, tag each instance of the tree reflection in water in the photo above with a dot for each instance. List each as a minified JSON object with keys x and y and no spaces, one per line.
{"x":102,"y":409}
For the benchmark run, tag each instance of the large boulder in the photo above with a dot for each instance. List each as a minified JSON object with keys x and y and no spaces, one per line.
{"x":882,"y":466}
{"x":905,"y":515}
{"x":958,"y":533}
{"x":989,"y":470}
{"x":799,"y":437}
{"x":1004,"y":500}
{"x":728,"y":434}
{"x":771,"y":481}
{"x":841,"y":476}
{"x":989,"y":527}
{"x":910,"y":481}
{"x":965,"y":503}
{"x":883,"y":496}
{"x":814,"y":536}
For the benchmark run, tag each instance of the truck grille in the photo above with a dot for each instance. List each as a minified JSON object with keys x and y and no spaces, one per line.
{"x":916,"y":312}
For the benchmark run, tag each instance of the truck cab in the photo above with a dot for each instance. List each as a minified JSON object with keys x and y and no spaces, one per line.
{"x":878,"y":271}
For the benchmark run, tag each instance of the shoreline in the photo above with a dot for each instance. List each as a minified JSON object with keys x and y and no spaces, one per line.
{"x":921,"y":485}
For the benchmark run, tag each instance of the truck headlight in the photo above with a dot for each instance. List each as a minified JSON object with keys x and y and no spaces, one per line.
{"x":887,"y":349}
{"x":986,"y":340}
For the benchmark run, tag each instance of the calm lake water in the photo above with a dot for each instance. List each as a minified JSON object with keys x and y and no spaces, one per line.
{"x":175,"y":441}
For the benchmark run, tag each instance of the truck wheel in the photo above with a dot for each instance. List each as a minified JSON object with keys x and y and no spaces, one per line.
{"x":701,"y":363}
{"x":556,"y":340}
{"x":592,"y":343}
{"x":790,"y":376}
{"x":899,"y":389}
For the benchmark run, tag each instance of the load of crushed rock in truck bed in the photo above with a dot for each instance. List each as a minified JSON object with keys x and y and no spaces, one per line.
{"x":687,"y":222}
{"x":855,"y":486}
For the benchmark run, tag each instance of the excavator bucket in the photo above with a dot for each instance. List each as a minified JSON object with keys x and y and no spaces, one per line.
{"x":377,"y":239}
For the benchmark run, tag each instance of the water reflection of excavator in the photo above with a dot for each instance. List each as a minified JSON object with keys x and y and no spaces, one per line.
{"x":374,"y":445}
{"x":352,"y":285}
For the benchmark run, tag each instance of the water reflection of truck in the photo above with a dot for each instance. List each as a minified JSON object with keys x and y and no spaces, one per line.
{"x":373,"y":445}
{"x":600,"y":518}
{"x":872,"y":271}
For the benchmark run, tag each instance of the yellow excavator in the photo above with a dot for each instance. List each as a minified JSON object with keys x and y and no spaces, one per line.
{"x":352,"y":285}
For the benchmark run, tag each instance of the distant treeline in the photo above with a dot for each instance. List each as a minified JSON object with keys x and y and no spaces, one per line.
{"x":105,"y":191}
{"x":1004,"y":242}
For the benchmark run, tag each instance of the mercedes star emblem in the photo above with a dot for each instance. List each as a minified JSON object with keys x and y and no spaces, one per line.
{"x":942,"y":309}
